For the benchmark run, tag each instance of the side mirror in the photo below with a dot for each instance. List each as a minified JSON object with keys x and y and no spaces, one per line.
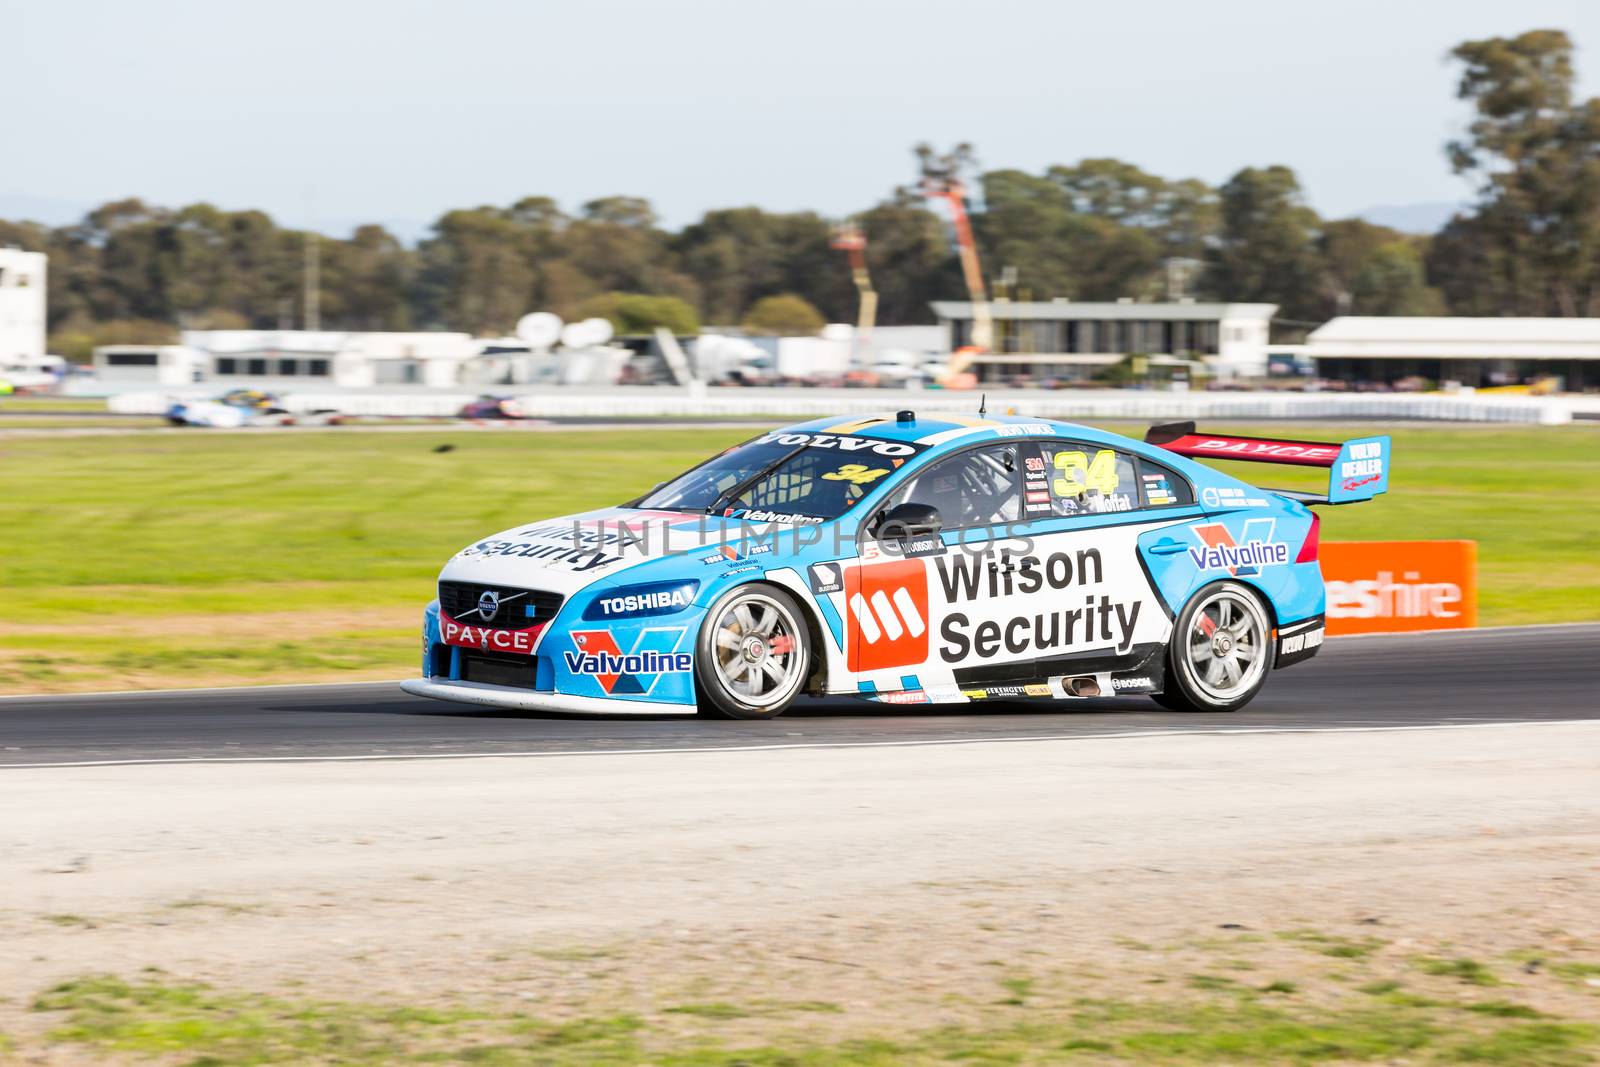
{"x":909,"y":520}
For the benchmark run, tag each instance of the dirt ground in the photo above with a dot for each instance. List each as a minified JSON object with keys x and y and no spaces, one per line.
{"x":904,"y":887}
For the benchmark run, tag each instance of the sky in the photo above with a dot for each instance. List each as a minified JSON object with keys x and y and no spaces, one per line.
{"x":335,"y":112}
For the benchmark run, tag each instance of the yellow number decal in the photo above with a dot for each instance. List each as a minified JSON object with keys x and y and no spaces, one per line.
{"x":1079,"y":474}
{"x":855,"y":474}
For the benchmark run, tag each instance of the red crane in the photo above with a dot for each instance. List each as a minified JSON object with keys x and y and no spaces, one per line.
{"x":849,"y":238}
{"x":941,"y":180}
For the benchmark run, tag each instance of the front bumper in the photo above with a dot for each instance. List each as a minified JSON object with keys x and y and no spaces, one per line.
{"x":504,"y":696}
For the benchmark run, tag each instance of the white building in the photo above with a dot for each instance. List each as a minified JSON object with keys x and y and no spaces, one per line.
{"x":285,"y":359}
{"x":1068,"y":339}
{"x":141,"y":366}
{"x":22,"y":307}
{"x":281,"y":358}
{"x":1467,"y":351}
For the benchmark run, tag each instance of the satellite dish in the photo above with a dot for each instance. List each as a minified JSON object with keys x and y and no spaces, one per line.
{"x":575,"y":335}
{"x":600,"y":330}
{"x":541,"y":329}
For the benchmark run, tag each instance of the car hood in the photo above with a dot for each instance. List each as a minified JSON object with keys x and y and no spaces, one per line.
{"x":564,"y":555}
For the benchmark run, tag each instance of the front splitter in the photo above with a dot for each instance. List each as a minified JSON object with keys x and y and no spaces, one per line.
{"x":505,"y":696}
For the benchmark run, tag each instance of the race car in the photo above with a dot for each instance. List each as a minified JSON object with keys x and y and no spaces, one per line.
{"x":489,"y":406}
{"x":243,"y":407}
{"x":235,"y":408}
{"x":906,"y":559}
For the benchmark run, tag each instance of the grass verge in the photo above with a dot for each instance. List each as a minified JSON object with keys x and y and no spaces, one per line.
{"x":46,"y":405}
{"x":199,"y":1024}
{"x":171,"y":559}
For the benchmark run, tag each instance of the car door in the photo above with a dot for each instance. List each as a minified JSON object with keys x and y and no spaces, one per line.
{"x":1064,"y":602}
{"x":1094,"y":620}
{"x":898,"y":598}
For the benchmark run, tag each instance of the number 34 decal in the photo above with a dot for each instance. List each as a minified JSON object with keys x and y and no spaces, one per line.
{"x":855,"y":474}
{"x":1076,"y":473}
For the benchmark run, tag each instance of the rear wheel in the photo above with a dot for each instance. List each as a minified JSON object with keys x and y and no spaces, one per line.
{"x":752,"y":655}
{"x":1220,"y":652}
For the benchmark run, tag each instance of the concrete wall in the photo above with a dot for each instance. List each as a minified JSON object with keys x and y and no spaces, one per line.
{"x":793,"y":404}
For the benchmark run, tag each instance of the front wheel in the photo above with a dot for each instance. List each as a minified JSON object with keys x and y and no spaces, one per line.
{"x":752,"y":655}
{"x":1220,"y":652}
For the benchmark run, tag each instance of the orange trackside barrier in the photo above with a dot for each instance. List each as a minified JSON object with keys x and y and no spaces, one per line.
{"x":1379,"y":586}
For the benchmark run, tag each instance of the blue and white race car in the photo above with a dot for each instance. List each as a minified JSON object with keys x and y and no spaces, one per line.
{"x":238,"y":408}
{"x":906,"y":559}
{"x":234,"y":409}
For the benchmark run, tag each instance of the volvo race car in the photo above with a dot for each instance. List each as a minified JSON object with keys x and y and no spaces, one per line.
{"x":906,"y":559}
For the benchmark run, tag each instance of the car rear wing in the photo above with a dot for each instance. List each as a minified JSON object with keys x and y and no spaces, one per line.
{"x":1357,"y":469}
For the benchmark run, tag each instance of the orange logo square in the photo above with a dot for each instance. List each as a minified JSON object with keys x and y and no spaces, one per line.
{"x":887,"y":609}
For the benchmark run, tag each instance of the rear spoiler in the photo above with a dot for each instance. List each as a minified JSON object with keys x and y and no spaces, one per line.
{"x":1357,"y":470}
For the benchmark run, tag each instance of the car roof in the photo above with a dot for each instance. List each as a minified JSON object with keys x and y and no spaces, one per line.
{"x":943,"y":427}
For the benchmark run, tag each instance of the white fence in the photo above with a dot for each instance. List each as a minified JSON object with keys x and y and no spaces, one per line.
{"x":658,"y":402}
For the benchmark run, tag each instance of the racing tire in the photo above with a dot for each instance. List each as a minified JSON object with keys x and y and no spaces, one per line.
{"x":1171,"y":701}
{"x":753,"y":654}
{"x":1221,"y":650}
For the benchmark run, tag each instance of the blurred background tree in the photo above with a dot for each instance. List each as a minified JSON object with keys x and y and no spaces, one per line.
{"x":1266,"y":248}
{"x":1393,"y":281}
{"x":1534,"y":153}
{"x":638,"y":313}
{"x":785,"y":314}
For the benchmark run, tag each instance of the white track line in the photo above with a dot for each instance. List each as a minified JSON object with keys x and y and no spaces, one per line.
{"x":714,"y":749}
{"x":1528,"y":629}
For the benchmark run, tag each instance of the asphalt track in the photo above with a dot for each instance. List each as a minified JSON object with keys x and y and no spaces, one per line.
{"x":1465,"y":678}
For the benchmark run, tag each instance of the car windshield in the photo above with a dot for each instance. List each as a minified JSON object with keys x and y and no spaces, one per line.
{"x":784,"y":477}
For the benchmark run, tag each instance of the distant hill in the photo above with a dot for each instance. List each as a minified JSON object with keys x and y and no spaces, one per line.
{"x":1427,"y":217}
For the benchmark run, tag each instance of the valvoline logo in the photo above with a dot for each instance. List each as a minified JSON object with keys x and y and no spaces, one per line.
{"x":1240,"y":558}
{"x":632,"y":673}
